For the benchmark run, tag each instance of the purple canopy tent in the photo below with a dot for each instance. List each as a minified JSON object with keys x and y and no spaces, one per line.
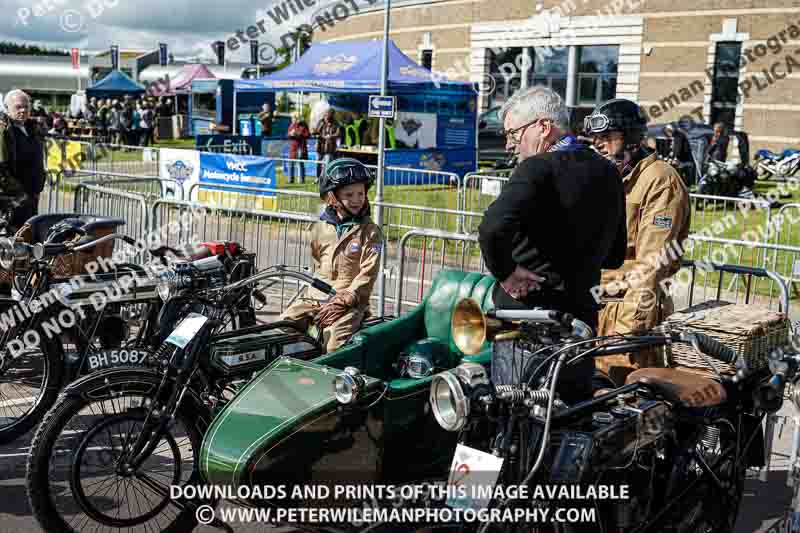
{"x":182,"y":83}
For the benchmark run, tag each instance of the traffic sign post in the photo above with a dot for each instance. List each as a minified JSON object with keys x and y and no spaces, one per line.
{"x":381,"y":106}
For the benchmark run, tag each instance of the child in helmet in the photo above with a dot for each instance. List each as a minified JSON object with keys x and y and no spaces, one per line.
{"x":346,"y":248}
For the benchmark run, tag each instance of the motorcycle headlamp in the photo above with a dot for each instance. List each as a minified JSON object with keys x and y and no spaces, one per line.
{"x":448,"y":398}
{"x":449,"y":401}
{"x":9,"y":252}
{"x":170,"y":283}
{"x":349,"y":385}
{"x":713,"y":170}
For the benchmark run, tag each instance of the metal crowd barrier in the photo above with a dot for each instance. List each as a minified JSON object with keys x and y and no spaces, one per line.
{"x":102,"y":201}
{"x":276,"y":238}
{"x":707,"y":253}
{"x":151,"y":187}
{"x":416,"y":267}
{"x":787,"y":230}
{"x":282,"y":200}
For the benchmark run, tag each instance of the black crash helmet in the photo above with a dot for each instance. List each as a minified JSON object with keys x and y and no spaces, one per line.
{"x":342,"y":172}
{"x":617,"y":115}
{"x":65,"y":230}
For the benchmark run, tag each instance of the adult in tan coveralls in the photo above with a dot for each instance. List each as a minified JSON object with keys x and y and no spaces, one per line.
{"x":346,"y":247}
{"x":658,"y":217}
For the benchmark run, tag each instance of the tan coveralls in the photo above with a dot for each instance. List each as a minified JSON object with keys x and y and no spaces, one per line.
{"x":658,"y":216}
{"x":350,"y":262}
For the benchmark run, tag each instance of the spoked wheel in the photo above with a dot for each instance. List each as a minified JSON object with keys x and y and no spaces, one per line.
{"x":30,"y":378}
{"x":78,"y":477}
{"x":98,"y":469}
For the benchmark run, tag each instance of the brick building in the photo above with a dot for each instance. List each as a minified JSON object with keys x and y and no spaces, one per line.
{"x":735,"y":61}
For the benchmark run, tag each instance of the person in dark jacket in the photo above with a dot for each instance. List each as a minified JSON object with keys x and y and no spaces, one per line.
{"x":556,"y":224}
{"x":21,"y":156}
{"x":718,"y":148}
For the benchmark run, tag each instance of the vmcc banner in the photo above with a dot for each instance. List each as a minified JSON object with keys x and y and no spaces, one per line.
{"x":182,"y":166}
{"x":257,"y":173}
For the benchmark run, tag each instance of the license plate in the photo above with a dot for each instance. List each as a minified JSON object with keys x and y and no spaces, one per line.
{"x":473,"y":475}
{"x":186,"y":330}
{"x":117,"y":357}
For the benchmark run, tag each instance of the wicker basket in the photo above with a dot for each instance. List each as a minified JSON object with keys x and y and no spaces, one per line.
{"x":64,"y":266}
{"x":752,"y":332}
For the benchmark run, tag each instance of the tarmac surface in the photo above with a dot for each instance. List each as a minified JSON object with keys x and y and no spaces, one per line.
{"x":762,"y":508}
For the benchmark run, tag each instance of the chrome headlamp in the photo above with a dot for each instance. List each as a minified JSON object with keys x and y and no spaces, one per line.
{"x":448,"y":398}
{"x":9,"y":252}
{"x":349,"y":385}
{"x":169,"y":283}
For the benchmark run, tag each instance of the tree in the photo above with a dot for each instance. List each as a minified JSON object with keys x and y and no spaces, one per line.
{"x":304,"y":35}
{"x":7,"y":47}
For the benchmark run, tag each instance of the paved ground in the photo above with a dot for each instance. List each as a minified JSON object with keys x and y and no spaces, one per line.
{"x":762,"y":507}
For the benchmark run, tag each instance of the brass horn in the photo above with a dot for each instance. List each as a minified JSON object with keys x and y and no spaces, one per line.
{"x":471,"y":328}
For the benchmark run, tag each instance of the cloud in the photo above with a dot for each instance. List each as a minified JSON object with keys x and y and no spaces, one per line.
{"x":187,"y":26}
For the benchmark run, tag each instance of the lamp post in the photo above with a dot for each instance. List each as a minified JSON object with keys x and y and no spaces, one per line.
{"x":381,"y":143}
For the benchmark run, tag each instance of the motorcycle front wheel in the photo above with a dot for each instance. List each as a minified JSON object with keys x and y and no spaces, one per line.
{"x":31,"y":374}
{"x":76,"y":478}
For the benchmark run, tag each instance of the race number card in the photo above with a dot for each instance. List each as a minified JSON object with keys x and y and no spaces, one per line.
{"x":473,"y":475}
{"x":186,"y":330}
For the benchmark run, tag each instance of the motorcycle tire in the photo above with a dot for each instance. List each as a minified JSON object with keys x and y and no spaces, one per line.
{"x":52,"y":361}
{"x":42,"y":477}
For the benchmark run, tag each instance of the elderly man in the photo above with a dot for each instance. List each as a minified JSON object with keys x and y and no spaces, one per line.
{"x":21,"y":156}
{"x":556,"y":224}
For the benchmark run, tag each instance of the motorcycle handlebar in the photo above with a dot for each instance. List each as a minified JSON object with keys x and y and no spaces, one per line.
{"x":710,"y":346}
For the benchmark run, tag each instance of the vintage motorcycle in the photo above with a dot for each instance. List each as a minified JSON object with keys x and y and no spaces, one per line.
{"x":679,"y":442}
{"x":203,"y":417}
{"x":57,"y":329}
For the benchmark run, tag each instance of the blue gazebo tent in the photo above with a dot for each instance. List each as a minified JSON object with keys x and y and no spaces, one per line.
{"x":115,"y":84}
{"x":348,"y":67}
{"x":351,"y":71}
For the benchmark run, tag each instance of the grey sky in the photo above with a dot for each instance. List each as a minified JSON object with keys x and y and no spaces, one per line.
{"x":187,"y":26}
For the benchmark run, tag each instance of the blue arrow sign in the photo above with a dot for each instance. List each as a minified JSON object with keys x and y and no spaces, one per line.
{"x":381,"y":106}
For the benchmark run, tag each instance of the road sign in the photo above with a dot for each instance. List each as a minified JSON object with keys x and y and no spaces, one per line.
{"x":381,"y":106}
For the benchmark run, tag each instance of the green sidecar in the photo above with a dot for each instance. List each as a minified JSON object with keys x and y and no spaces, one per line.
{"x":287,"y":427}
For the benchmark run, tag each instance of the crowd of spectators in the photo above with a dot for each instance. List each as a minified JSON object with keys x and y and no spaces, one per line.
{"x":128,"y":121}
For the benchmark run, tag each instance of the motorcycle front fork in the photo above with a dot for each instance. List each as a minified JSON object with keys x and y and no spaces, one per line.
{"x":792,"y":519}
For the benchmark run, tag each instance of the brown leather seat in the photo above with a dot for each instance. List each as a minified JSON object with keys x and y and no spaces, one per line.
{"x":682,"y":387}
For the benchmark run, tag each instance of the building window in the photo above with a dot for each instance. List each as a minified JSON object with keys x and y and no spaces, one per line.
{"x":724,"y":93}
{"x":427,"y":59}
{"x":597,"y":74}
{"x":504,"y":68}
{"x":550,"y":66}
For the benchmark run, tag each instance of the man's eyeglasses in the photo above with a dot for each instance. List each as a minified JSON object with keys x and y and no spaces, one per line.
{"x":512,"y":134}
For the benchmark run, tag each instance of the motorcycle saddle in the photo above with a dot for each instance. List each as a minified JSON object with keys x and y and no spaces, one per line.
{"x":680,"y":387}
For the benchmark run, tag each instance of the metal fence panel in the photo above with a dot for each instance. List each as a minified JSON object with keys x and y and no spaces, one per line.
{"x":101,"y":201}
{"x":275,"y":238}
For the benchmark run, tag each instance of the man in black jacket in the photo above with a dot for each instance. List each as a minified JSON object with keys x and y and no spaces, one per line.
{"x":21,"y":156}
{"x":557,"y":223}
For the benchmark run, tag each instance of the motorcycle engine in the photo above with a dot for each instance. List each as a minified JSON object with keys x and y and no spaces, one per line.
{"x":619,"y":446}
